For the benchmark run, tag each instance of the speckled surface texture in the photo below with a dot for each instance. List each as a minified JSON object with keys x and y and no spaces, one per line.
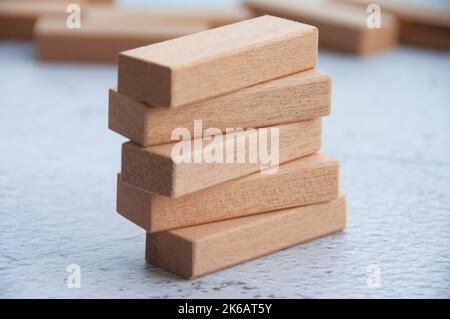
{"x":58,"y":162}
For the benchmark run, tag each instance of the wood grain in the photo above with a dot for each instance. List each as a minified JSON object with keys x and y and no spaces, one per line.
{"x":217,"y":61}
{"x":153,"y":169}
{"x":419,"y":26}
{"x":101,"y":38}
{"x":296,"y":97}
{"x":341,"y":27}
{"x":309,"y":180}
{"x":198,"y":250}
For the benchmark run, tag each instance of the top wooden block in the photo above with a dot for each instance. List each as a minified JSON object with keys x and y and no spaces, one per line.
{"x":217,"y":61}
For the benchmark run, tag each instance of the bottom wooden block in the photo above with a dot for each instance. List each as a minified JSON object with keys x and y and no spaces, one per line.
{"x":198,"y":250}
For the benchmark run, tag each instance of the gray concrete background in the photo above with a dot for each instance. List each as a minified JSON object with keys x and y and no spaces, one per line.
{"x":390,"y":128}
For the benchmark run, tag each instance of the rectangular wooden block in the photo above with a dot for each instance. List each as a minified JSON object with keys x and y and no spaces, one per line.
{"x":92,"y":2}
{"x":17,"y":18}
{"x":296,"y":97}
{"x":217,"y":61}
{"x":101,"y":38}
{"x":419,"y":26}
{"x":153,"y":168}
{"x":198,"y":250}
{"x":213,"y":17}
{"x":342,"y":27}
{"x":99,"y":2}
{"x":309,"y":180}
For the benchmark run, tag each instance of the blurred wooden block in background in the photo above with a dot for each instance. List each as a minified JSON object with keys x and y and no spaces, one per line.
{"x":153,"y":169}
{"x":217,"y":61}
{"x":101,"y":2}
{"x":309,"y":180}
{"x":93,"y":2}
{"x":421,"y":26}
{"x":101,"y":38}
{"x":17,"y":17}
{"x":198,"y":250}
{"x":341,"y":27}
{"x":213,"y":17}
{"x":296,"y":97}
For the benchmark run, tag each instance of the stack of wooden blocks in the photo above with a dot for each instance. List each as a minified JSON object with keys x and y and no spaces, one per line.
{"x":207,"y":215}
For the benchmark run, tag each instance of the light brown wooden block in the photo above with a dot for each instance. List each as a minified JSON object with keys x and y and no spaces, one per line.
{"x":420,"y":26}
{"x":91,"y":2}
{"x":296,"y":97}
{"x":101,"y":38}
{"x":100,"y":2}
{"x":213,"y":17}
{"x":17,"y":18}
{"x":198,"y":250}
{"x":341,"y":27}
{"x":217,"y":61}
{"x":309,"y":180}
{"x":153,"y":169}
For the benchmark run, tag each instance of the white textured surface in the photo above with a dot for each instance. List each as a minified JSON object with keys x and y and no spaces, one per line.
{"x":390,"y":128}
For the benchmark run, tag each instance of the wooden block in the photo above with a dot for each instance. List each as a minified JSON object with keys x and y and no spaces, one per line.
{"x":101,"y":38}
{"x":100,"y":2}
{"x":296,"y":97}
{"x":17,"y":18}
{"x":198,"y":250}
{"x":309,"y":180}
{"x":213,"y":17}
{"x":418,"y":25}
{"x":342,"y":27}
{"x":217,"y":61}
{"x":91,"y":2}
{"x":153,"y":169}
